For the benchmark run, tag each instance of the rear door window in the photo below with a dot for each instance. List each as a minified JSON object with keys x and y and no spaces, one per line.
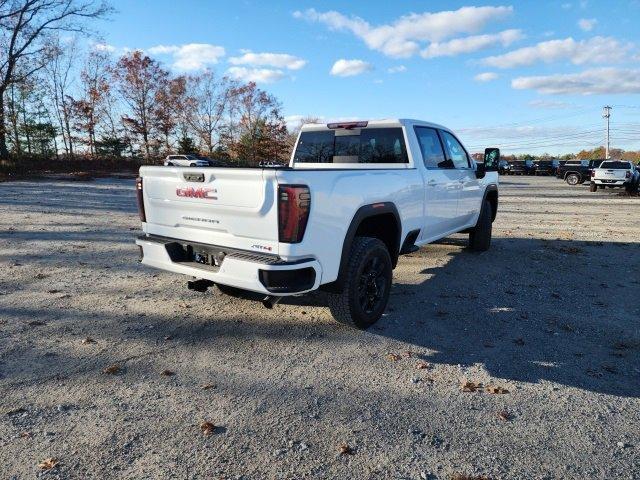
{"x":457,"y":153}
{"x":431,"y":148}
{"x":366,"y":145}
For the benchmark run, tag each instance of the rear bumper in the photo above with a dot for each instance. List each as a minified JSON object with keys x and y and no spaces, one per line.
{"x":251,"y":271}
{"x":610,"y":183}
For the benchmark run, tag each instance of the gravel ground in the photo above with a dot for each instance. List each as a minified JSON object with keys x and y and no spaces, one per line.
{"x":549,"y":317}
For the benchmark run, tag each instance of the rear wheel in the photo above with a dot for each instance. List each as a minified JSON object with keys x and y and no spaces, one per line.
{"x":573,"y":179}
{"x":367,"y":284}
{"x":593,"y":187}
{"x":480,"y":236}
{"x":192,"y":164}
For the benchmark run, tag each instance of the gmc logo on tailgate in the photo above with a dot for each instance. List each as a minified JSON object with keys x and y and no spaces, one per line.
{"x":201,"y":192}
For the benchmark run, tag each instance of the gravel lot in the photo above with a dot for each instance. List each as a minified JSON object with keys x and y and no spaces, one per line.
{"x":550,"y":314}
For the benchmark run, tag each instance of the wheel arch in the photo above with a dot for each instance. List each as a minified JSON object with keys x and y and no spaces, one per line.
{"x":491,"y":195}
{"x":378,"y":220}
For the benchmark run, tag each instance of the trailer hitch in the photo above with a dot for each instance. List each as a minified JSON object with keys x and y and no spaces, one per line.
{"x":199,"y":285}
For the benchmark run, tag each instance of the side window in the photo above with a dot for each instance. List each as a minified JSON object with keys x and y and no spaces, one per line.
{"x":456,"y":153}
{"x":431,"y":148}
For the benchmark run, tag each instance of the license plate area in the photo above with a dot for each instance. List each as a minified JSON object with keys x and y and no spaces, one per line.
{"x":199,"y":256}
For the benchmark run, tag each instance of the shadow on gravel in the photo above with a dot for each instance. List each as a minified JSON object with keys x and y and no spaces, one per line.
{"x":529,"y":311}
{"x":113,"y":195}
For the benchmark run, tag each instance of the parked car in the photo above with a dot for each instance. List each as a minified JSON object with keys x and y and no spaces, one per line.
{"x":615,"y":173}
{"x":353,"y":198}
{"x":547,"y":167}
{"x":520,"y":167}
{"x":504,"y":167}
{"x":574,"y":172}
{"x":185,"y":161}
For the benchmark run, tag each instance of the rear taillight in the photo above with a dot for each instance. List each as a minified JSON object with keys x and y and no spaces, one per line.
{"x":139,"y":198}
{"x":294,"y":202}
{"x":627,"y":175}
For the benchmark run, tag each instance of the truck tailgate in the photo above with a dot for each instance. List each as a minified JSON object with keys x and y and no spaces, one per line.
{"x":610,"y":174}
{"x":231,"y":207}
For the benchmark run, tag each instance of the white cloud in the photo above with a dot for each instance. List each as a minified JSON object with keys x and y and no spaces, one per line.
{"x":486,"y":77}
{"x":470,"y":44}
{"x":589,"y":82}
{"x":191,"y":56}
{"x":277,"y":60}
{"x":550,"y":104}
{"x":402,"y":37}
{"x":104,"y":47}
{"x":593,"y":50}
{"x":587,"y":24}
{"x":258,"y":75}
{"x":349,"y":68}
{"x":398,"y":69}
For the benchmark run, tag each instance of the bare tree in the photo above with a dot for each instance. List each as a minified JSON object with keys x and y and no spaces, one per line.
{"x":208,"y":101}
{"x":91,"y":108}
{"x":60,"y":80}
{"x":25,"y":28}
{"x":139,"y":78}
{"x":169,"y":105}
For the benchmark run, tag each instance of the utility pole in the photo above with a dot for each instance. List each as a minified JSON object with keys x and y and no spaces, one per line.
{"x":606,"y":113}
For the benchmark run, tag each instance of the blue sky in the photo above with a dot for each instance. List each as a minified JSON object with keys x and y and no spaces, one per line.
{"x":526,"y":76}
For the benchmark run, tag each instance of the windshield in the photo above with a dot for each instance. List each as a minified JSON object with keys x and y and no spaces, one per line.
{"x":366,"y":145}
{"x":616,"y":165}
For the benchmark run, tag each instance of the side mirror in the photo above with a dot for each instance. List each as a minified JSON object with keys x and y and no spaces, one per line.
{"x":491,"y":159}
{"x":481,"y":170}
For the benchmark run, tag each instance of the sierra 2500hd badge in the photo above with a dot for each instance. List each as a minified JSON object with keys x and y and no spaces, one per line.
{"x":200,"y":192}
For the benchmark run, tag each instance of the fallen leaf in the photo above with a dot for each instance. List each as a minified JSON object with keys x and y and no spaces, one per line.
{"x":207,"y":428}
{"x":470,"y":386}
{"x":345,"y":449}
{"x":407,"y":354}
{"x":15,"y":410}
{"x":393,"y":357}
{"x":48,"y":463}
{"x":505,"y":415}
{"x":167,"y":373}
{"x":208,"y":386}
{"x":25,"y":434}
{"x":87,"y":341}
{"x":40,"y":276}
{"x":53,"y":291}
{"x":112,"y":369}
{"x":496,"y":390}
{"x":422,"y":365}
{"x":462,"y":476}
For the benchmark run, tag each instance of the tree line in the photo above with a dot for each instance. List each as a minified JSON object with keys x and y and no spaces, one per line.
{"x":60,"y":99}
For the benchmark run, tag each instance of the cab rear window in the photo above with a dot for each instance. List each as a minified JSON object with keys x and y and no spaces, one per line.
{"x":616,"y":165}
{"x":366,"y":145}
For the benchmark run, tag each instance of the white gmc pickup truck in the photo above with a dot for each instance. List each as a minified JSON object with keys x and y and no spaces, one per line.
{"x":353,"y":198}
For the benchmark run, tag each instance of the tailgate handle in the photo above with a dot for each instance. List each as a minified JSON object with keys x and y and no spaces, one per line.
{"x":194,"y":177}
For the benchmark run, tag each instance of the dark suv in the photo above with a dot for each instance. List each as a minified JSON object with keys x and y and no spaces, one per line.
{"x":526,"y":167}
{"x":547,"y":167}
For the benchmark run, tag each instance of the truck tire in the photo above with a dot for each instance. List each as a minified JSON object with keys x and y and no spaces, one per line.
{"x":573,"y":179}
{"x":593,"y":187}
{"x":367,"y":284}
{"x":480,"y":235}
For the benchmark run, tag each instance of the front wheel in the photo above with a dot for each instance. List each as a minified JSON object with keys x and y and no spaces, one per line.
{"x":367,"y":284}
{"x":573,"y":179}
{"x":480,"y":235}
